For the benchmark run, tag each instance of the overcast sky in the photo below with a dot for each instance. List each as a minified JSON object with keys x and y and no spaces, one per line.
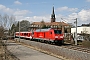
{"x":36,"y":10}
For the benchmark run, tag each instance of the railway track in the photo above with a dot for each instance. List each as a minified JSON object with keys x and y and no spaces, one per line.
{"x":78,"y":48}
{"x":74,"y":47}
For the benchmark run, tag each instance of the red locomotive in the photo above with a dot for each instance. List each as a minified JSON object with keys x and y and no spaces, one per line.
{"x":50,"y":35}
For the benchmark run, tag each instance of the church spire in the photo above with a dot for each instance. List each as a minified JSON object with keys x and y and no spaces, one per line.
{"x":53,"y":10}
{"x":53,"y":16}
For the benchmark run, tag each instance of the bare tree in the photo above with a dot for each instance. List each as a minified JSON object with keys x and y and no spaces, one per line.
{"x":1,"y":31}
{"x":0,"y":20}
{"x":6,"y":21}
{"x":85,"y":30}
{"x":11,"y":20}
{"x":43,"y":24}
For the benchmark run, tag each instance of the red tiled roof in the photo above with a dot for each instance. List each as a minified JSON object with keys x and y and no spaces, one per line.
{"x":53,"y":23}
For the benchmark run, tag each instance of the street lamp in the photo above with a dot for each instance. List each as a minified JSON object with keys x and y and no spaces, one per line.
{"x":19,"y":31}
{"x":76,"y":32}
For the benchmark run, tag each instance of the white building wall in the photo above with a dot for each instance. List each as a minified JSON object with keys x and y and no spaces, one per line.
{"x":81,"y":30}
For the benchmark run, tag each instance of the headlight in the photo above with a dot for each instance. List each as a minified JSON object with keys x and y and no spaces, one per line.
{"x":61,"y":36}
{"x":56,"y":36}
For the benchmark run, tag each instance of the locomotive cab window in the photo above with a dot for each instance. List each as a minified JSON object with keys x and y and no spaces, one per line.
{"x":57,"y":31}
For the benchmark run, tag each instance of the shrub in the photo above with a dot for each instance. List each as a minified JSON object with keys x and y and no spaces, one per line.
{"x":86,"y":44}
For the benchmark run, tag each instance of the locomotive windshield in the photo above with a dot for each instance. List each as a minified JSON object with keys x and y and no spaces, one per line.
{"x":57,"y":31}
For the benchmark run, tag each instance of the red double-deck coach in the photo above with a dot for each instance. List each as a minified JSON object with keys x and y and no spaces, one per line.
{"x":26,"y":35}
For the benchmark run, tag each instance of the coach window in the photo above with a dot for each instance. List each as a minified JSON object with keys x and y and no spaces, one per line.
{"x":26,"y":34}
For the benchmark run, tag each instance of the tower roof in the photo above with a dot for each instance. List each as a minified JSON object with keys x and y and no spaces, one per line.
{"x":53,"y":16}
{"x":53,"y":10}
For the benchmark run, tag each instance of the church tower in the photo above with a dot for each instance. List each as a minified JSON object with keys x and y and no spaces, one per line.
{"x":53,"y":16}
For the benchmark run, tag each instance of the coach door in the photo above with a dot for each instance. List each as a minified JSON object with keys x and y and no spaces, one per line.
{"x":50,"y":35}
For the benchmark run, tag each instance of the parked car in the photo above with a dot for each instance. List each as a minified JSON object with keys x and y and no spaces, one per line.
{"x":80,"y":38}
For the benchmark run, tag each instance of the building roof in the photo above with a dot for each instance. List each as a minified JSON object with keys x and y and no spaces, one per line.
{"x":49,"y":23}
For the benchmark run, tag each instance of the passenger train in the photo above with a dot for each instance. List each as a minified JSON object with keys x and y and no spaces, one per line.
{"x":49,"y":35}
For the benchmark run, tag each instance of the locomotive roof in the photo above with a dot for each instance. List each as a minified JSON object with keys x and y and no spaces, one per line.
{"x":40,"y":30}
